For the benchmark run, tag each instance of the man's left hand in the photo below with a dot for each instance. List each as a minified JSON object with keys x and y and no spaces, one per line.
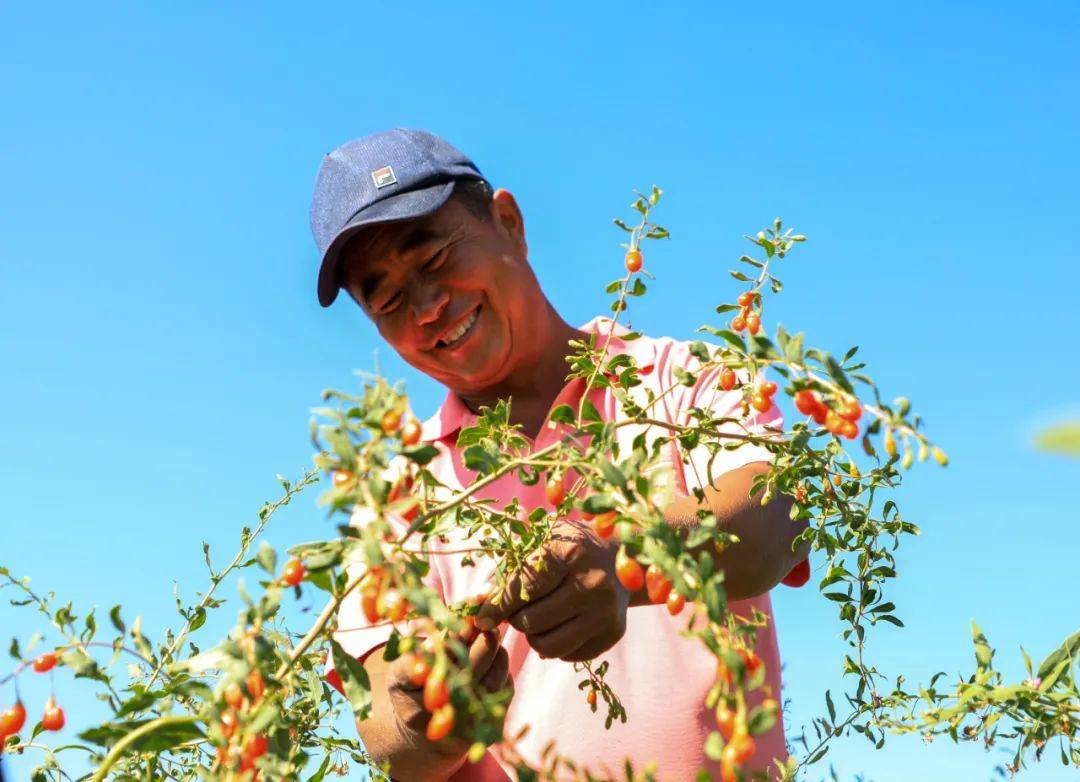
{"x":573,"y":608}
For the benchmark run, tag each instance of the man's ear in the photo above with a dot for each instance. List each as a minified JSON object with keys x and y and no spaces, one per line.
{"x":508,"y":218}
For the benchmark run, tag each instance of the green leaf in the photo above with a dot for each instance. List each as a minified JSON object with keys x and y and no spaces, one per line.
{"x":598,"y":503}
{"x":165,"y":736}
{"x":421,"y":453}
{"x":983,"y":653}
{"x":761,"y":721}
{"x":478,"y":459}
{"x":589,"y":411}
{"x":267,"y":557}
{"x":117,"y":622}
{"x":728,"y":336}
{"x":320,"y":773}
{"x":612,"y":474}
{"x":354,"y":680}
{"x":1064,"y":652}
{"x":563,"y":414}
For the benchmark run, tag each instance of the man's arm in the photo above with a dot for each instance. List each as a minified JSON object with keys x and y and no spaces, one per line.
{"x":395,"y":730}
{"x":575,"y":607}
{"x":763,"y":554}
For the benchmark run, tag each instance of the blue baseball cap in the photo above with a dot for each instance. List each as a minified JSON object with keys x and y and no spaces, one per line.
{"x":386,"y":177}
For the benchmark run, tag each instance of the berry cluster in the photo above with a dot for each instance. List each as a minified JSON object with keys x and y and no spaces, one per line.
{"x":240,"y":750}
{"x":436,"y":693}
{"x":380,"y":600}
{"x":657,"y":586}
{"x":839,"y":418}
{"x":409,"y":434}
{"x":13,"y":719}
{"x":749,"y":317}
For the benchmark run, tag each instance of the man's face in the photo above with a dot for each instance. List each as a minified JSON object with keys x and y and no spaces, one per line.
{"x":451,"y":293}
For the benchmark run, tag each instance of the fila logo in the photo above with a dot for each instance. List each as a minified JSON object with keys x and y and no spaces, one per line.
{"x":383,"y":176}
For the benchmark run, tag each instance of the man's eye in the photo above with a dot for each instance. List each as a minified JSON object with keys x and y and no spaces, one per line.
{"x":390,"y":304}
{"x":435,"y":261}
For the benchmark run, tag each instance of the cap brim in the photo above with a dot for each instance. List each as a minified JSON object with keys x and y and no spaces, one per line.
{"x":403,"y":206}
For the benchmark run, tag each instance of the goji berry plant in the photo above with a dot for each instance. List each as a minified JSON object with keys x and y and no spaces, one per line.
{"x":256,"y":705}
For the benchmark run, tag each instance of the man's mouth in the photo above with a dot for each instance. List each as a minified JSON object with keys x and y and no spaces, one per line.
{"x":457,"y":335}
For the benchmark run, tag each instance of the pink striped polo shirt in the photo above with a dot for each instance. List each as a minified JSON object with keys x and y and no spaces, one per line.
{"x":661,"y":677}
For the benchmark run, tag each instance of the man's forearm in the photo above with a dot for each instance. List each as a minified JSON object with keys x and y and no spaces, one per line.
{"x":763,"y":555}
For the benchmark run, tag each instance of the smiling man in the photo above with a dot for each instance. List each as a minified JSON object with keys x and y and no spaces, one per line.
{"x":409,"y":228}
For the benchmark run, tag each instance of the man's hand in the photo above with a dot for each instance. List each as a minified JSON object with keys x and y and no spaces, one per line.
{"x":397,"y":729}
{"x":573,"y":607}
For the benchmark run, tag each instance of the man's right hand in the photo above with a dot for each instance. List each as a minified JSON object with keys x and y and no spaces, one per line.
{"x":396,"y":729}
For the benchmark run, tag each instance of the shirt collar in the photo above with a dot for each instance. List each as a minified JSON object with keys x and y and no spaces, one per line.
{"x":453,"y":414}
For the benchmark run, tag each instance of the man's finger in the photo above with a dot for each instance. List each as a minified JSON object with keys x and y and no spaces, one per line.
{"x":548,"y":612}
{"x":497,"y":675}
{"x":482,"y":653}
{"x":529,"y":585}
{"x":562,"y":641}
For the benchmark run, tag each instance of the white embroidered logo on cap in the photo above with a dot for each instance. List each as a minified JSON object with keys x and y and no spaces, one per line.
{"x":383,"y":176}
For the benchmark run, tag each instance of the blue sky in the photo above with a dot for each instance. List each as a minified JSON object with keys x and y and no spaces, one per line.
{"x":161,"y":344}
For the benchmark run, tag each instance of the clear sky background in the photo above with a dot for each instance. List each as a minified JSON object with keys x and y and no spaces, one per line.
{"x":161,"y":344}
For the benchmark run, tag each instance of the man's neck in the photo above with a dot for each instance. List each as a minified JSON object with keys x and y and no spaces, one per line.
{"x":536,"y":381}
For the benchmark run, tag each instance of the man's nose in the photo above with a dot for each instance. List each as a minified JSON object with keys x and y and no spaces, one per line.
{"x":429,"y":304}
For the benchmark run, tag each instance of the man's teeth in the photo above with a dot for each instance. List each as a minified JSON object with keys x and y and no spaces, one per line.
{"x":459,"y":332}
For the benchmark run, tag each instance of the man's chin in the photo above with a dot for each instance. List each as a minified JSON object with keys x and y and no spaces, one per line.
{"x":472,"y":378}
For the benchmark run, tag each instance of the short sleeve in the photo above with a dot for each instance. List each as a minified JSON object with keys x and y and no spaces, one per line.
{"x":707,"y":395}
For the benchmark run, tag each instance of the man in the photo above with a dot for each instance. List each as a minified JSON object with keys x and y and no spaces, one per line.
{"x":409,"y":228}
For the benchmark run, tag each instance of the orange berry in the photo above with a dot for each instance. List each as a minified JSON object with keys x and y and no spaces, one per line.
{"x":746,"y":299}
{"x":806,"y":402}
{"x":605,"y":524}
{"x":675,"y":603}
{"x":343,"y":478}
{"x":45,"y":662}
{"x":395,"y":607}
{"x":753,"y":323}
{"x":725,"y":721}
{"x":419,"y":672}
{"x":633,"y":261}
{"x":436,"y":693}
{"x":761,"y":402}
{"x":391,"y":421}
{"x":234,"y":696}
{"x":410,"y":433}
{"x":53,"y":717}
{"x":228,"y":724}
{"x":628,"y":571}
{"x":369,"y":603}
{"x":657,"y":585}
{"x":256,"y":685}
{"x":555,"y":489}
{"x":293,"y":572}
{"x":738,"y":750}
{"x":591,"y":698}
{"x":727,"y":378}
{"x":738,"y":323}
{"x":441,"y":723}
